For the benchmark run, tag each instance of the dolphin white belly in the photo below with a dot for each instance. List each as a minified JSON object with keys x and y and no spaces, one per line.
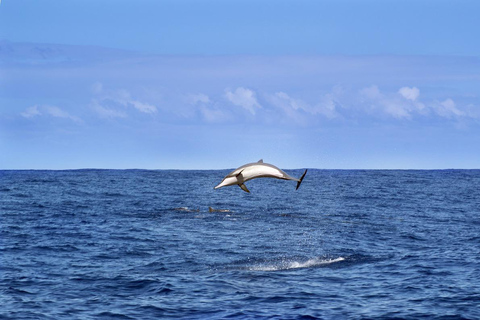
{"x":255,"y":170}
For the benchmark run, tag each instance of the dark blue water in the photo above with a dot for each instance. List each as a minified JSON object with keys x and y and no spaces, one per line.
{"x":139,"y":244}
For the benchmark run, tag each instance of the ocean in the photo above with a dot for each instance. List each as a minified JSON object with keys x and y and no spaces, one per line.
{"x":159,"y":244}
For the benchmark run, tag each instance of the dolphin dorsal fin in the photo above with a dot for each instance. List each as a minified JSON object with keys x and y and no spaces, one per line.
{"x":260,"y":161}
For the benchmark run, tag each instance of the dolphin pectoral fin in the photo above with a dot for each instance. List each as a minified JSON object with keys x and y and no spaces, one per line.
{"x":301,"y":179}
{"x":241,"y":185}
{"x":244,"y":187}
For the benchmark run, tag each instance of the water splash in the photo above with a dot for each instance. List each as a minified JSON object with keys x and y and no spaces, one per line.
{"x":286,"y":264}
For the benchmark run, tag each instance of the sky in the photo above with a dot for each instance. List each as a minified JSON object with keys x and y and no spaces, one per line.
{"x":216,"y":84}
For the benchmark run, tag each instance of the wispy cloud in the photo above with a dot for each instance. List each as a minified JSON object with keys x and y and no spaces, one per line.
{"x":244,"y":98}
{"x":115,"y":103}
{"x":142,"y":107}
{"x":404,"y":104}
{"x":298,"y":111}
{"x":31,"y":112}
{"x":329,"y":104}
{"x":370,"y":102}
{"x":292,"y":109}
{"x":59,"y":113}
{"x":409,"y":93}
{"x":296,"y":90}
{"x":106,"y":112}
{"x":52,"y":111}
{"x":210,"y":111}
{"x":214,"y":114}
{"x":448,"y":109}
{"x":316,"y":105}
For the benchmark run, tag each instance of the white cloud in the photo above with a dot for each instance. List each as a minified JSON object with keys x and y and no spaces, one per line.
{"x":209,"y":110}
{"x":59,"y":113}
{"x":143,"y":107}
{"x":448,"y":109}
{"x":472,"y":111}
{"x":191,"y":104}
{"x":372,"y":93}
{"x":395,"y":109}
{"x":112,"y":104}
{"x":213,"y":114}
{"x":287,"y":102}
{"x":289,"y":106}
{"x":124,"y":98}
{"x":328,"y":105}
{"x":31,"y":112}
{"x":105,"y":112}
{"x":299,"y":111}
{"x":56,"y":112}
{"x":402,"y":105}
{"x":198,"y":98}
{"x":52,"y":111}
{"x":244,"y":98}
{"x":409,"y":93}
{"x":406,"y":104}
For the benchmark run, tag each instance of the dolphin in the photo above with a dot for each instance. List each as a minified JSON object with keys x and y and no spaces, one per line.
{"x":254,"y":170}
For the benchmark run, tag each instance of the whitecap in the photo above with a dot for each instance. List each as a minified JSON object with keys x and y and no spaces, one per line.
{"x":286,"y":264}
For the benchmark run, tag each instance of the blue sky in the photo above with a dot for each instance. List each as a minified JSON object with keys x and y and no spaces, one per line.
{"x":216,"y":84}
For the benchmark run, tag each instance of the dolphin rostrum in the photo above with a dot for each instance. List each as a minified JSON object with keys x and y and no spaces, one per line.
{"x":256,"y":170}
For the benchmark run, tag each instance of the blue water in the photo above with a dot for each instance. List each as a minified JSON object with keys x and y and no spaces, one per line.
{"x":141,"y":244}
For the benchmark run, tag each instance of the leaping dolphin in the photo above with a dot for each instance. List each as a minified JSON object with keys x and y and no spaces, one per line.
{"x":256,"y":170}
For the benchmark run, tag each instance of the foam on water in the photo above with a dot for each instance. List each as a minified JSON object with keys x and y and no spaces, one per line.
{"x":293,"y":264}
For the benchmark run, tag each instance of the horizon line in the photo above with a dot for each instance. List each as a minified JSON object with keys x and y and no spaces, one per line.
{"x":219,"y":169}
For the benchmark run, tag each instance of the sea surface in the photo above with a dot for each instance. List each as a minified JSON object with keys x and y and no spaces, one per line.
{"x":158,"y":244}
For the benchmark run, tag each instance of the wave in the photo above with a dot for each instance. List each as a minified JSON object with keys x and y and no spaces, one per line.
{"x":298,"y":262}
{"x":283,"y":263}
{"x":292,"y":264}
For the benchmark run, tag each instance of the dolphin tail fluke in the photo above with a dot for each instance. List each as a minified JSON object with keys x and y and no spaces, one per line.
{"x":301,"y":179}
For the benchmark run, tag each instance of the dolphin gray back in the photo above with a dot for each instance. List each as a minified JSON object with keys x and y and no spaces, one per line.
{"x":261,"y":163}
